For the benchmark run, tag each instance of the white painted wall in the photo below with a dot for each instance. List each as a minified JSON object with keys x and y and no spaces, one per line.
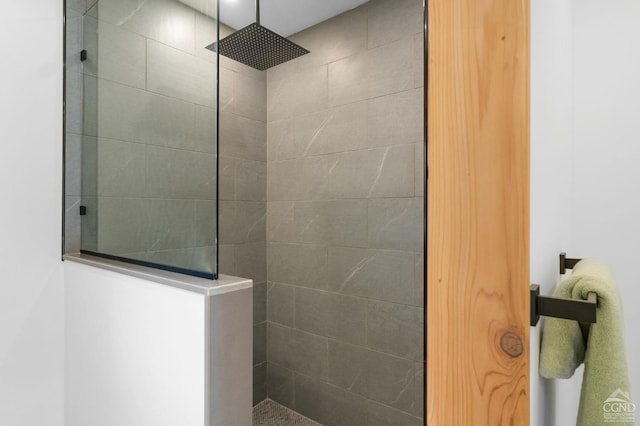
{"x":31,"y":294}
{"x":585,"y":144}
{"x":606,"y":178}
{"x":134,"y":351}
{"x":551,"y":145}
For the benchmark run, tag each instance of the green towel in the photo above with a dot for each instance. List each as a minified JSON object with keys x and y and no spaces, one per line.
{"x":566,"y":344}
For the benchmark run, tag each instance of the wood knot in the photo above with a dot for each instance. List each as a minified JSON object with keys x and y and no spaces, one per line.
{"x":511,"y":344}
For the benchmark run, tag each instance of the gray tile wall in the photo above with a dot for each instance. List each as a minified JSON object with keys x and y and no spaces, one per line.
{"x":345,"y":220}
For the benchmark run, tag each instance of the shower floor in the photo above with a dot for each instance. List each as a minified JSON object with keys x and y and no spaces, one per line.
{"x":270,"y":413}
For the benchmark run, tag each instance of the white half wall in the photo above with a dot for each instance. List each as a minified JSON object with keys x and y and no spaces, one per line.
{"x":31,"y":291}
{"x":135,"y":351}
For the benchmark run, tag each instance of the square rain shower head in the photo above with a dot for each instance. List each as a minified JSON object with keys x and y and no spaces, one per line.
{"x":258,"y":47}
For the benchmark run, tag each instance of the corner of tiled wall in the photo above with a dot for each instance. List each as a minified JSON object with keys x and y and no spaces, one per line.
{"x":243,"y":194}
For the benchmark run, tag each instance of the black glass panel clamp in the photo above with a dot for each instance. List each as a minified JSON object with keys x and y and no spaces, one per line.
{"x":583,"y":311}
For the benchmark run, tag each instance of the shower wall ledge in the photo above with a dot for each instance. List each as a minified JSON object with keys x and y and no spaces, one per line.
{"x":224,"y":283}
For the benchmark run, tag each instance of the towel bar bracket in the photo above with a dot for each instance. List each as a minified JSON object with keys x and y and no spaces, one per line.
{"x":567,"y":263}
{"x":578,"y":310}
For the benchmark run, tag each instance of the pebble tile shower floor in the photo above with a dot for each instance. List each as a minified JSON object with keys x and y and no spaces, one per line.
{"x":270,"y":413}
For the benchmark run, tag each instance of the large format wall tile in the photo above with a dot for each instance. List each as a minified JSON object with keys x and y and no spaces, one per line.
{"x":339,"y":222}
{"x":259,"y":302}
{"x":251,"y":98}
{"x":393,"y":20}
{"x":250,"y":180}
{"x":333,"y":315}
{"x":298,"y":264}
{"x":396,"y":119}
{"x":377,"y":72}
{"x":177,"y":74}
{"x":396,"y":223}
{"x":114,"y":54}
{"x":259,"y":343}
{"x":281,"y":305}
{"x":252,"y":261}
{"x":129,"y":114}
{"x":395,"y":329}
{"x":298,"y":351}
{"x":280,"y":384}
{"x":167,"y":21}
{"x":73,"y":169}
{"x":170,"y":224}
{"x":303,"y":93}
{"x":227,"y":259}
{"x":280,"y":141}
{"x":243,"y":222}
{"x":301,"y":179}
{"x":74,"y":108}
{"x":328,"y":404}
{"x":227,"y":178}
{"x":204,"y":223}
{"x":242,"y":137}
{"x":382,"y":415}
{"x":377,"y":274}
{"x":259,"y":383}
{"x":383,"y":172}
{"x":122,"y":225}
{"x":121,"y":169}
{"x":280,"y":221}
{"x":379,"y":377}
{"x":175,"y":173}
{"x":338,"y":129}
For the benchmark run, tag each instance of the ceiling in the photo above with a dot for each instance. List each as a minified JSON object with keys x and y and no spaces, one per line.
{"x":285,"y":17}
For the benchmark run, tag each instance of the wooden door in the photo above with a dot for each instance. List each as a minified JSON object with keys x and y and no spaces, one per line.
{"x":478,"y":213}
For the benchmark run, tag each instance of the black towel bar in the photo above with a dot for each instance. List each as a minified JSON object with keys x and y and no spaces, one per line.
{"x":578,"y":310}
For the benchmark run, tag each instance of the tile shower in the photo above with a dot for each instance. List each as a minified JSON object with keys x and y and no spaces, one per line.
{"x":345,"y":219}
{"x":320,"y":196}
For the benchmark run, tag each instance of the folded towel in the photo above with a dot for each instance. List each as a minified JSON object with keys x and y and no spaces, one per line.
{"x":566,"y":344}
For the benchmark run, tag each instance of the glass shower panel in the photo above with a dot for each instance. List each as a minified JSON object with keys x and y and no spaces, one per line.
{"x":149,"y":147}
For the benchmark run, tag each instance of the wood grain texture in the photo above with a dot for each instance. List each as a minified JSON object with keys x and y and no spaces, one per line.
{"x":478,"y":213}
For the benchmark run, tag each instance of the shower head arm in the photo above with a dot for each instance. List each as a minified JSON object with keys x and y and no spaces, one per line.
{"x":258,"y":12}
